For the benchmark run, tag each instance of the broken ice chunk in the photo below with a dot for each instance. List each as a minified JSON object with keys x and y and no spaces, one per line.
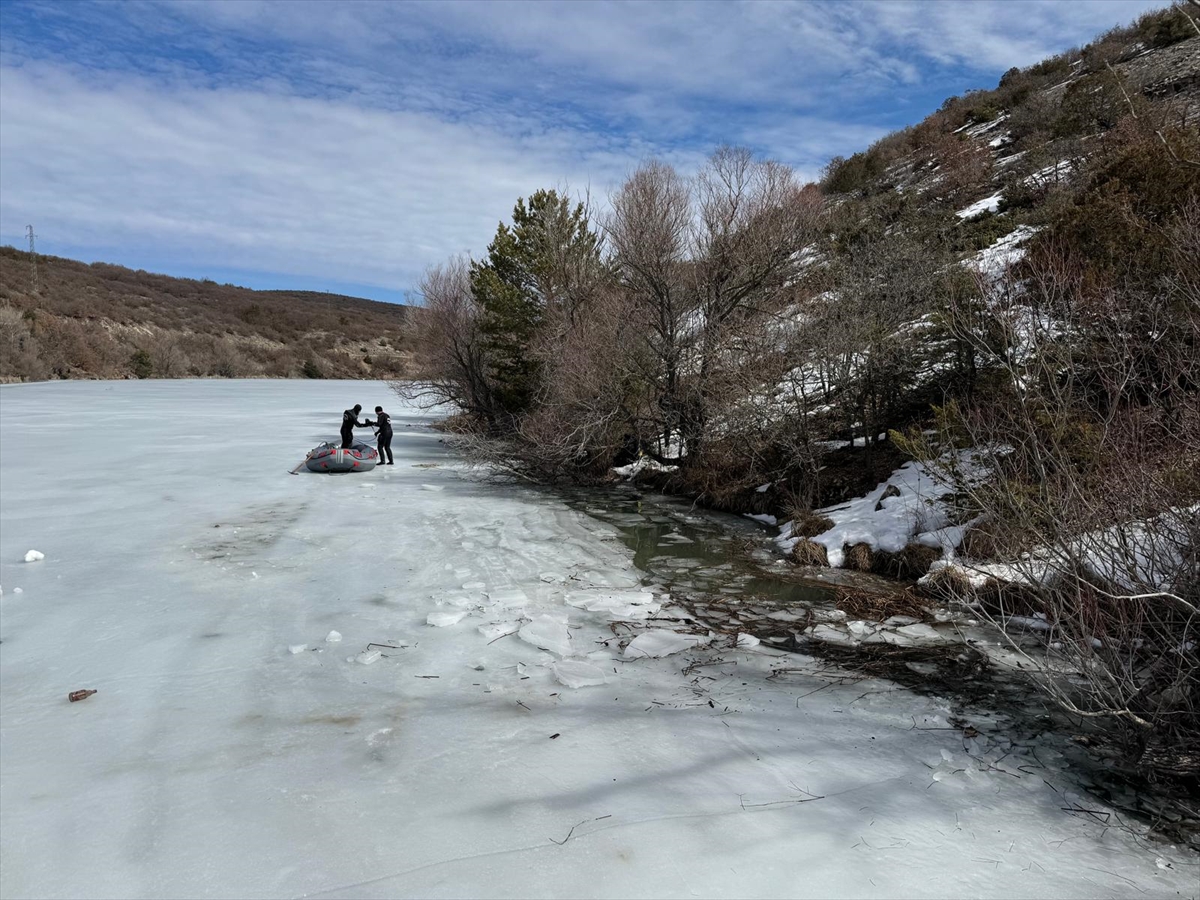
{"x":34,"y":556}
{"x":442,"y":619}
{"x":920,"y":632}
{"x":547,"y":633}
{"x":575,"y":673}
{"x":508,"y":598}
{"x":495,"y":630}
{"x":662,"y":643}
{"x":333,"y":637}
{"x":297,"y":648}
{"x":367,"y":657}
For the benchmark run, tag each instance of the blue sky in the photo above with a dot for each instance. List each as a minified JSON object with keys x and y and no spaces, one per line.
{"x":349,"y":146}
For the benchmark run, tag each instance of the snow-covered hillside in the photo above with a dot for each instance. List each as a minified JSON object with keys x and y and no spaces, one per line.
{"x":474,"y":727}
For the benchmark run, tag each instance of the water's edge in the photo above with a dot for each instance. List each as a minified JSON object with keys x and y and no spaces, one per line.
{"x":724,"y":574}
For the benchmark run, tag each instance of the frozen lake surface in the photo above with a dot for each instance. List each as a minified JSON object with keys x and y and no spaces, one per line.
{"x":232,"y":750}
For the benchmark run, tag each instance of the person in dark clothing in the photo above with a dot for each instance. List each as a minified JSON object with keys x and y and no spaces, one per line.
{"x":349,"y":423}
{"x":384,"y":445}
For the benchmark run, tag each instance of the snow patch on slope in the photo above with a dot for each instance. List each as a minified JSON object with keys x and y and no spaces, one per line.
{"x":915,"y":512}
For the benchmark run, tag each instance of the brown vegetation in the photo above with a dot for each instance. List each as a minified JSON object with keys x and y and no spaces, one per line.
{"x":806,"y":523}
{"x":809,"y":553}
{"x":858,"y":557}
{"x":879,"y":606}
{"x":104,"y":321}
{"x":909,"y":564}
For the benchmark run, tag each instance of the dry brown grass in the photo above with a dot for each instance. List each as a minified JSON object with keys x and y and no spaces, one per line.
{"x":806,"y":523}
{"x":978,"y":543}
{"x":458,"y":423}
{"x":912,"y":562}
{"x":859,"y":557}
{"x":877,"y":606}
{"x":808,"y":553}
{"x":946,"y":584}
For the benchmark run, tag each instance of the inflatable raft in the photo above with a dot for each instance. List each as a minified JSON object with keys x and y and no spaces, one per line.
{"x":333,"y":458}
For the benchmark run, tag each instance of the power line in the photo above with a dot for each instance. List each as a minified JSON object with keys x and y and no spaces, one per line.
{"x":33,"y":258}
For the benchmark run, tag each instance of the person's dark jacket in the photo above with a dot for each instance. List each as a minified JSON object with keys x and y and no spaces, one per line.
{"x":349,"y":423}
{"x":384,"y":423}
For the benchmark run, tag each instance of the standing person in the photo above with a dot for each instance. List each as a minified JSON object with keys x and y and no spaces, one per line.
{"x":384,"y":423}
{"x":349,"y":423}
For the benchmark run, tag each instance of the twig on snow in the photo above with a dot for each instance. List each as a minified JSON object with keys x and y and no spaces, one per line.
{"x":573,"y":827}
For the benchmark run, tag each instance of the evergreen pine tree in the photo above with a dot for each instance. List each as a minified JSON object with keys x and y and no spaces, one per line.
{"x":525,"y":276}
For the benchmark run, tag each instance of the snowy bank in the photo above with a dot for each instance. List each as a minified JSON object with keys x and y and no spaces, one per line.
{"x":910,"y":507}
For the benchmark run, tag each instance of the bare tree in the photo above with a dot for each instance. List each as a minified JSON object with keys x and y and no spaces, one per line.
{"x":702,"y":264}
{"x":648,"y":231}
{"x":753,"y":223}
{"x":451,"y":361}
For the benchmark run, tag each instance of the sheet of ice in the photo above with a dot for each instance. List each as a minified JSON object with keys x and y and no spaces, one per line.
{"x":765,"y":518}
{"x":213,"y":763}
{"x":575,"y":673}
{"x":662,"y":643}
{"x":444,"y":618}
{"x":548,"y":633}
{"x":495,"y":630}
{"x":508,"y":598}
{"x":617,"y":604}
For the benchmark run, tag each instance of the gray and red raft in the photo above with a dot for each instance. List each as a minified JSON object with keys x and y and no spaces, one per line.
{"x":335,"y":459}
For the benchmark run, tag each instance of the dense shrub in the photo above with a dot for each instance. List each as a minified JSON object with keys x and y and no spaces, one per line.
{"x":1090,"y":104}
{"x":844,"y":176}
{"x":140,"y":364}
{"x":1162,"y":29}
{"x":1116,"y":223}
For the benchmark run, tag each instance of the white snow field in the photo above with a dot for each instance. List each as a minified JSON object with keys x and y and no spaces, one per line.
{"x":237,"y":748}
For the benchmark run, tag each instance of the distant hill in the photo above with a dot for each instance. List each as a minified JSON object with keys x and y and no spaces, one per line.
{"x":106,"y":321}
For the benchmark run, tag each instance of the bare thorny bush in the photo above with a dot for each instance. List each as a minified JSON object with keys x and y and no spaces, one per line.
{"x":1093,"y":437}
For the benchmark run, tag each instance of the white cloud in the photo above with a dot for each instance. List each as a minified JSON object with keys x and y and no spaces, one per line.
{"x":794,"y":52}
{"x":364,"y":141}
{"x":268,"y":182}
